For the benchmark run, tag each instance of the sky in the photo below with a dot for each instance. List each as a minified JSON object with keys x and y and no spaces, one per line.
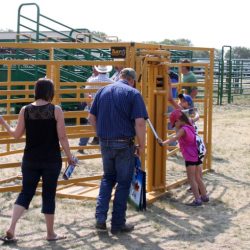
{"x":207,"y":23}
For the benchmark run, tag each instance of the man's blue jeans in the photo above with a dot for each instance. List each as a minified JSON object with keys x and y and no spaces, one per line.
{"x":83,"y":141}
{"x":118,"y":167}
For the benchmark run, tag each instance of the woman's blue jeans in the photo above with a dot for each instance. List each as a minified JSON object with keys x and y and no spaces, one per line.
{"x":118,"y":166}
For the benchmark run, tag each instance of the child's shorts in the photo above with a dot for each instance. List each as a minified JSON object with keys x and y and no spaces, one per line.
{"x":193,"y":163}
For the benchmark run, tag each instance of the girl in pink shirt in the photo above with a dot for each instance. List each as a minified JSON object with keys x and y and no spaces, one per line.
{"x":185,"y":134}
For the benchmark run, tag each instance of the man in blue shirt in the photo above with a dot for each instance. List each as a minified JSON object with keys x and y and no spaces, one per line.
{"x":118,"y":114}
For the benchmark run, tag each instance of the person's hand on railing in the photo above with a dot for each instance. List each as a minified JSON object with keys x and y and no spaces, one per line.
{"x":160,"y":141}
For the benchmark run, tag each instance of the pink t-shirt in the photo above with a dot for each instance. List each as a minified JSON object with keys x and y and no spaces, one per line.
{"x":188,"y":145}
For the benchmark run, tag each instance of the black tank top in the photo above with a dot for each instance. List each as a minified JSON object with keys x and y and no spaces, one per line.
{"x":42,"y":144}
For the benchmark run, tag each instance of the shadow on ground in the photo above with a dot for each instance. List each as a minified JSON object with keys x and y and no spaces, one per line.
{"x":166,"y":222}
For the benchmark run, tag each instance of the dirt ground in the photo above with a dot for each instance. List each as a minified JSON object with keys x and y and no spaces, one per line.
{"x":168,"y":224}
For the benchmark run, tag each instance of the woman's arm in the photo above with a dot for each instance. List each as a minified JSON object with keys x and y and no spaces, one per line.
{"x":61,"y":132}
{"x":19,"y":130}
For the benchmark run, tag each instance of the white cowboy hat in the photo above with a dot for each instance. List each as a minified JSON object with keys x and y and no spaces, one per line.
{"x":103,"y":68}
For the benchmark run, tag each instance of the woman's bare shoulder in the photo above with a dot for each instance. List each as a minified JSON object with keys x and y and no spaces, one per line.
{"x":58,"y":108}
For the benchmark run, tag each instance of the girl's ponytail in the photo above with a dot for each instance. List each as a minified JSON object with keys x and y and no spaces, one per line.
{"x":184,"y":118}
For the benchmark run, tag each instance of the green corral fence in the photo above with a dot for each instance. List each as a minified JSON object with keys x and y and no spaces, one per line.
{"x":231,"y":76}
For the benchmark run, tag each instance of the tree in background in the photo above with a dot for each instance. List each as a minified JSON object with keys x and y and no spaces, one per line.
{"x":99,"y":33}
{"x":6,"y":30}
{"x":239,"y":53}
{"x":186,"y":42}
{"x":180,"y":42}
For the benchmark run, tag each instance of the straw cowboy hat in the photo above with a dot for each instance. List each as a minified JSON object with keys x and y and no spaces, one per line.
{"x":103,"y":68}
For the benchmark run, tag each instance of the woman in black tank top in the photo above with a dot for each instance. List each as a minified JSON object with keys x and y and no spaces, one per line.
{"x":43,"y":124}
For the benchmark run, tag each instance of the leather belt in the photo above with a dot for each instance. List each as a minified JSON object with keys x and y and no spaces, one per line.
{"x":119,"y":139}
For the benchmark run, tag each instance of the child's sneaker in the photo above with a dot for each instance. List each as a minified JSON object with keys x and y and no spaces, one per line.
{"x":205,"y":198}
{"x":195,"y":203}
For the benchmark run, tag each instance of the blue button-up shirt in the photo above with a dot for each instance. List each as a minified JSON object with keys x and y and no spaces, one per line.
{"x":116,"y":106}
